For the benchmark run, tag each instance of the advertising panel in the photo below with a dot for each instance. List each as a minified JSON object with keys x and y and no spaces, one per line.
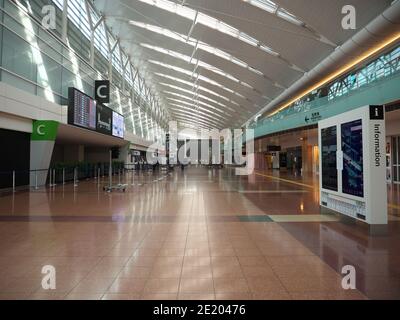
{"x":117,"y":125}
{"x":329,"y":158}
{"x":352,"y":147}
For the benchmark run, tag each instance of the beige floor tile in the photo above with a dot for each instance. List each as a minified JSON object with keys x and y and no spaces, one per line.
{"x":93,"y":285}
{"x":162,"y":285}
{"x":120,"y":296}
{"x":83,"y":296}
{"x":265,"y":284}
{"x":127,"y":285}
{"x":196,"y":286}
{"x":232,"y":285}
{"x":196,"y":296}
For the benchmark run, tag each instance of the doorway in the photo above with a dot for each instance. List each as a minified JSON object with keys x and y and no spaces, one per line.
{"x":396,"y":159}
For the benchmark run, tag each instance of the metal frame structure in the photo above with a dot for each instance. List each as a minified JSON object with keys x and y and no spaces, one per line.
{"x":384,"y":66}
{"x":129,"y":89}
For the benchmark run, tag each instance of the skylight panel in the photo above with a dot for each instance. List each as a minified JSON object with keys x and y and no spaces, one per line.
{"x":211,"y":22}
{"x":193,"y":85}
{"x":282,"y":13}
{"x":265,"y":5}
{"x":194,"y":114}
{"x":198,"y":107}
{"x":195,"y":62}
{"x":195,"y":122}
{"x":205,"y":98}
{"x":195,"y":43}
{"x":272,"y":8}
{"x":192,"y":93}
{"x":202,"y":78}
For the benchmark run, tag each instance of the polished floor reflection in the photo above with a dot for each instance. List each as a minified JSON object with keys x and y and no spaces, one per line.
{"x":197,"y":234}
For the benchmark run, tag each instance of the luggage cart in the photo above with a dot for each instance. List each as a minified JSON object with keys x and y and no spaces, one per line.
{"x":111,"y":187}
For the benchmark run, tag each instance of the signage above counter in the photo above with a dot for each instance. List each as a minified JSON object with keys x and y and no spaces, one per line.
{"x":85,"y":112}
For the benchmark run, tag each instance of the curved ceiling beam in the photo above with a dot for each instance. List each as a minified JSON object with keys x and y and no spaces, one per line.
{"x":196,"y":87}
{"x":197,"y":96}
{"x":195,"y":104}
{"x":177,"y":108}
{"x":189,"y":111}
{"x":186,"y":91}
{"x":195,"y":101}
{"x":200,"y":45}
{"x":272,"y":8}
{"x":200,"y":110}
{"x":181,"y":96}
{"x":379,"y":34}
{"x":185,"y":117}
{"x":198,"y":63}
{"x":199,"y":77}
{"x":198,"y":17}
{"x":191,"y":125}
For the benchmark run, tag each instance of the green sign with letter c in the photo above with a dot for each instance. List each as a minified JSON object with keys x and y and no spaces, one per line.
{"x":44,"y":130}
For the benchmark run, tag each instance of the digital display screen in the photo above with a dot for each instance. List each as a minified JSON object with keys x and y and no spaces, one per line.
{"x":82,"y":110}
{"x":329,"y":159}
{"x":352,"y":147}
{"x":104,"y":120}
{"x":117,"y":125}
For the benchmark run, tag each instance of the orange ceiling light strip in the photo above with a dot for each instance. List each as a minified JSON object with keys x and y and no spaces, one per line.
{"x":341,"y":71}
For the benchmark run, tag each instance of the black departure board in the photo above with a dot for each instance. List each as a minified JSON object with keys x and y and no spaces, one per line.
{"x":82,"y":110}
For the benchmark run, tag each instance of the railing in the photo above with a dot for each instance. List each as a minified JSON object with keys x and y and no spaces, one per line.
{"x":386,"y":66}
{"x":55,"y":176}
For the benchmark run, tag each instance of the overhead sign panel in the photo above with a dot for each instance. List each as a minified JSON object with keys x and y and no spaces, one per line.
{"x":85,"y":112}
{"x":117,"y":125}
{"x":81,"y":110}
{"x":104,"y":120}
{"x":102,"y":91}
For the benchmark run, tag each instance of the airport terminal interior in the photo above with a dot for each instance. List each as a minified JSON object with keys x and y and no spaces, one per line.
{"x":199,"y":150}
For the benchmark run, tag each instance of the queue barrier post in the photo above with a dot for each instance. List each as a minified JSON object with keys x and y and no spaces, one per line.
{"x":54,"y":177}
{"x":36,"y":180}
{"x":13,"y":177}
{"x":75,"y":178}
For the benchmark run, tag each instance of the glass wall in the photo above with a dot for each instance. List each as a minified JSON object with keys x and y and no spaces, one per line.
{"x":36,"y":60}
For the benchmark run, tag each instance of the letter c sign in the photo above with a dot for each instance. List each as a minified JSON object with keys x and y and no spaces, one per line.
{"x":102,"y":91}
{"x":39,"y":130}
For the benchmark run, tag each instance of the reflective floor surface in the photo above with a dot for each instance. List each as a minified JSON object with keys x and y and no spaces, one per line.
{"x":197,"y":234}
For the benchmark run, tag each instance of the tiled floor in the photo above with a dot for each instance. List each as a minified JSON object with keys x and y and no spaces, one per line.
{"x":195,"y":235}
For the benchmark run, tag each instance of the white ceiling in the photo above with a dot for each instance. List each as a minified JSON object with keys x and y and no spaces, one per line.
{"x":299,"y":49}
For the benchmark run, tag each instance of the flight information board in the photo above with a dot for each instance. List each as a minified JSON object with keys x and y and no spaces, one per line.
{"x":85,"y":112}
{"x":82,"y":110}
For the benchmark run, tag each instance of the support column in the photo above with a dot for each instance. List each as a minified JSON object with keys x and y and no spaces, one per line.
{"x":42,"y":145}
{"x":64,"y":32}
{"x":306,"y":155}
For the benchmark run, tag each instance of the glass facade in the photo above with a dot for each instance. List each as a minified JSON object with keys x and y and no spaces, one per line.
{"x":36,"y":60}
